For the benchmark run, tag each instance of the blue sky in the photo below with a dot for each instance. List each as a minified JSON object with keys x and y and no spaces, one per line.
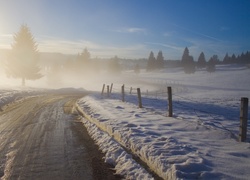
{"x":131,"y":28}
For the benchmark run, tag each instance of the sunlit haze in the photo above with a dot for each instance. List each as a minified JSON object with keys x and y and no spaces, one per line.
{"x":130,"y":29}
{"x":161,"y":86}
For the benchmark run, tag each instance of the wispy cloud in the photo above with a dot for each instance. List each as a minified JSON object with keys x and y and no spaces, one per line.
{"x":171,"y":51}
{"x":131,"y":51}
{"x":132,"y":30}
{"x":198,"y":33}
{"x":65,"y":46}
{"x":210,"y":47}
{"x":166,"y":45}
{"x":51,"y":44}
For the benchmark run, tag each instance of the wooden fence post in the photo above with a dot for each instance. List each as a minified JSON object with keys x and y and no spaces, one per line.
{"x":108,"y":90}
{"x":111,"y":87}
{"x":123,"y":93}
{"x":170,"y":103}
{"x":103,"y":87}
{"x":130,"y":92}
{"x":139,"y":97}
{"x":243,"y":119}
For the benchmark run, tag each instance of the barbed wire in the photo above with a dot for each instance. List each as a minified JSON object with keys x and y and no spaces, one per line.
{"x":214,"y":125}
{"x":130,"y":90}
{"x":163,"y":94}
{"x":202,"y":122}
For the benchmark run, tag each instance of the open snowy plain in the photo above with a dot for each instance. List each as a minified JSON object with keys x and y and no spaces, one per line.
{"x":200,"y":141}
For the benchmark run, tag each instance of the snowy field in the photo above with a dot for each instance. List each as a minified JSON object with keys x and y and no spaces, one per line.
{"x":199,"y":142}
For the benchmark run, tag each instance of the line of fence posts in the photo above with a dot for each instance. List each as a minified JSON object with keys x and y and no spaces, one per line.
{"x":243,"y":119}
{"x":170,"y":102}
{"x":108,"y":90}
{"x":103,"y":87}
{"x":111,"y":87}
{"x":243,"y":107}
{"x":139,"y":97}
{"x":123,"y":93}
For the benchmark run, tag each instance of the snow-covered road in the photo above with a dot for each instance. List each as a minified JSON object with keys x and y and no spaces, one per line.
{"x":42,"y":138}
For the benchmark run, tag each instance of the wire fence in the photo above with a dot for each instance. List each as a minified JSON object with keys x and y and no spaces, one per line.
{"x":212,"y":113}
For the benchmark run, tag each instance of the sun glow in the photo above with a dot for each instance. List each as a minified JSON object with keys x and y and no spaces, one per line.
{"x":5,"y":42}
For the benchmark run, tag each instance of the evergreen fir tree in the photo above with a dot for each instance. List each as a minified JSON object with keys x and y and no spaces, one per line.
{"x":188,"y":62}
{"x":211,"y":65}
{"x":226,"y":59}
{"x":151,"y":62}
{"x":85,"y":55}
{"x":83,"y":63}
{"x":233,"y":59}
{"x":241,"y":58}
{"x":137,"y":69}
{"x":201,"y":63}
{"x":160,"y":60}
{"x":114,"y":67}
{"x":23,"y":60}
{"x":216,"y":59}
{"x":185,"y":56}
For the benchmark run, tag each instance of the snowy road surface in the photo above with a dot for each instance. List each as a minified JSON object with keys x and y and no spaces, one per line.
{"x":42,"y":137}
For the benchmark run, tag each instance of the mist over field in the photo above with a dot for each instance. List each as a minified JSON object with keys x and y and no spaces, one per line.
{"x":124,"y":89}
{"x":62,"y":71}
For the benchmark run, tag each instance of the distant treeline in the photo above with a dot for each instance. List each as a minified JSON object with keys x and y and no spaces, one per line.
{"x":190,"y":66}
{"x":244,"y":58}
{"x":25,"y":62}
{"x":84,"y":62}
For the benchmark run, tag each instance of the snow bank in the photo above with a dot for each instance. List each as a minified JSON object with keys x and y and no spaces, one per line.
{"x":173,"y":148}
{"x":199,"y":142}
{"x":12,"y":95}
{"x":123,"y":162}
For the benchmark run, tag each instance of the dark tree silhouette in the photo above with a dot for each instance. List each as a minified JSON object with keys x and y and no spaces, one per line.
{"x":188,"y":62}
{"x":83,"y":59}
{"x":23,"y":60}
{"x":83,"y":63}
{"x":114,"y":67}
{"x":185,"y":56}
{"x":85,"y":55}
{"x":54,"y":77}
{"x":211,"y":64}
{"x":160,"y":60}
{"x":216,"y":59}
{"x":137,"y":69}
{"x":226,"y":59}
{"x":233,"y":59}
{"x":151,"y":62}
{"x":201,"y":63}
{"x":244,"y":58}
